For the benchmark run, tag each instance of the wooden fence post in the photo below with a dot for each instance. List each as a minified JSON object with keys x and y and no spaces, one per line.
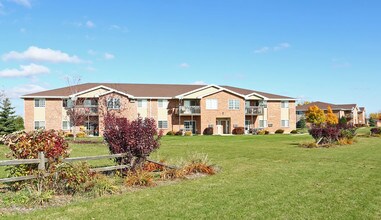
{"x":41,"y":164}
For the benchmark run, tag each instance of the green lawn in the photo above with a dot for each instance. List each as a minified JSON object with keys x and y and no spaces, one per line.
{"x":262,"y":177}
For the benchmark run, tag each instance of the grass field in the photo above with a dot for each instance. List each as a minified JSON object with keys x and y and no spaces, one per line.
{"x":262,"y":177}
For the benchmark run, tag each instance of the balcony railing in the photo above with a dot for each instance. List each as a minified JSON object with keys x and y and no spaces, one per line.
{"x":349,"y":115}
{"x":87,"y":109}
{"x":254,"y":110}
{"x":189,"y":110}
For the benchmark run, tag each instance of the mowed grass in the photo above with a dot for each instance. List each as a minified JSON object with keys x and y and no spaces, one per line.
{"x":261,"y":177}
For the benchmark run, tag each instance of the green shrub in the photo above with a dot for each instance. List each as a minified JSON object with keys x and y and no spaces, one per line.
{"x":170,"y":133}
{"x":294,"y":132}
{"x":239,"y":130}
{"x":279,"y":131}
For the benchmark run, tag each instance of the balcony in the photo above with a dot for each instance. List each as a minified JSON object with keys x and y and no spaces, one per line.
{"x":254,"y":110}
{"x":349,"y":116}
{"x":86,"y":109}
{"x":189,"y":110}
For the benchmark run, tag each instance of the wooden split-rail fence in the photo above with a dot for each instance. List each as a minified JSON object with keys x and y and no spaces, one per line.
{"x":42,"y":160}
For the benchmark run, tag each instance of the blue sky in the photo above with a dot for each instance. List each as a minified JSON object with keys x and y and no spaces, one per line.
{"x":313,"y":50}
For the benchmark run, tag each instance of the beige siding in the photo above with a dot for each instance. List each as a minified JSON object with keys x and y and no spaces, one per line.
{"x":94,"y":93}
{"x":201,"y":93}
{"x":39,"y":113}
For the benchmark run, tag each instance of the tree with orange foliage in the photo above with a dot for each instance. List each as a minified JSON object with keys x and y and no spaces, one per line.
{"x":315,"y":115}
{"x":331,"y":118}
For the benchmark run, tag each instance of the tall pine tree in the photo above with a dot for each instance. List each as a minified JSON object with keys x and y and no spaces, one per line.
{"x":7,"y":117}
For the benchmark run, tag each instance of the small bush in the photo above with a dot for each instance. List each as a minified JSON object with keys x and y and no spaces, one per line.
{"x":172,"y":174}
{"x":170,"y":133}
{"x":239,"y":130}
{"x":294,"y":132}
{"x":199,"y":163}
{"x":179,"y":133}
{"x":188,"y":133}
{"x":80,"y":134}
{"x":208,"y":131}
{"x":263,"y":132}
{"x":345,"y":141}
{"x":103,"y":185}
{"x":139,"y":178}
{"x":69,"y":134}
{"x":308,"y":144}
{"x":279,"y":131}
{"x":151,"y":167}
{"x":375,"y":131}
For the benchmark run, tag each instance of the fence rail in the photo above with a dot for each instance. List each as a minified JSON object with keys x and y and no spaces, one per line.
{"x":42,"y":160}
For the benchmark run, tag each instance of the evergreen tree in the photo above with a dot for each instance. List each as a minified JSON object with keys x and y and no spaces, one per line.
{"x":372,"y":122}
{"x":301,"y":123}
{"x":343,"y":120}
{"x":19,"y":123}
{"x":7,"y":118}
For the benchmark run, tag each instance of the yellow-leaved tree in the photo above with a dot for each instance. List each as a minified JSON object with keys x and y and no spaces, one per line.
{"x":315,"y":115}
{"x":331,"y":118}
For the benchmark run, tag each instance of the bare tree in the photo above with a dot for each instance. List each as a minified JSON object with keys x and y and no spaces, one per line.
{"x":74,"y":105}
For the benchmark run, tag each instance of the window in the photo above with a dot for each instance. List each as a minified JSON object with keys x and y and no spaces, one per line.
{"x":284,"y":104}
{"x":263,"y":103}
{"x":211,"y":104}
{"x":234,"y":104}
{"x":162,"y":124}
{"x":247,"y":104}
{"x":39,"y":125}
{"x":262,"y":123}
{"x":39,"y":103}
{"x":65,"y":125}
{"x":285,"y":123}
{"x":113,"y":103}
{"x":87,"y":103}
{"x":162,"y":103}
{"x":142,"y":103}
{"x":190,"y":126}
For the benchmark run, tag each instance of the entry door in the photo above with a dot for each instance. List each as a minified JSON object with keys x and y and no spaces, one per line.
{"x":190,"y":126}
{"x":225,"y":125}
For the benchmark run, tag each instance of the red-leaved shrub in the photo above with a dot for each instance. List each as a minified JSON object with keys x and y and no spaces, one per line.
{"x":239,"y":130}
{"x":137,"y":138}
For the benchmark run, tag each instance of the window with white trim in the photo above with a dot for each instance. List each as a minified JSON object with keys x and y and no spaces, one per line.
{"x":233,"y":104}
{"x":211,"y":104}
{"x":162,"y":124}
{"x":285,"y":123}
{"x":284,"y":104}
{"x":162,"y":103}
{"x":39,"y":102}
{"x":262,"y":123}
{"x":65,"y":125}
{"x":113,"y":103}
{"x":39,"y":125}
{"x":142,"y":103}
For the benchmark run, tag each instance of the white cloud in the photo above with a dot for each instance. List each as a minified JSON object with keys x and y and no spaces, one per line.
{"x":25,"y":3}
{"x":184,"y":65}
{"x":25,"y":70}
{"x":278,"y":47}
{"x":34,"y":53}
{"x":91,"y":69}
{"x":199,"y":82}
{"x":18,"y":91}
{"x":115,"y":27}
{"x":23,"y":30}
{"x":90,"y":24}
{"x":109,"y":56}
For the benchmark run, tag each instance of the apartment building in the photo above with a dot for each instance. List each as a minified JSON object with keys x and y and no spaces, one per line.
{"x":174,"y":107}
{"x":354,"y":114}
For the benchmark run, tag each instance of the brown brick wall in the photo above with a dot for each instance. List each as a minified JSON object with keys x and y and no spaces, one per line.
{"x":210,"y":116}
{"x":274,"y":116}
{"x":29,"y":114}
{"x":53,"y":114}
{"x":127,"y":109}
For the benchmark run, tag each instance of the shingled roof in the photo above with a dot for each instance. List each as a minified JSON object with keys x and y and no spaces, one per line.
{"x":143,"y":90}
{"x":324,"y":106}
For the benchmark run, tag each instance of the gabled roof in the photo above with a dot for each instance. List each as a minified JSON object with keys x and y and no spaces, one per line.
{"x":146,"y":90}
{"x":324,"y":106}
